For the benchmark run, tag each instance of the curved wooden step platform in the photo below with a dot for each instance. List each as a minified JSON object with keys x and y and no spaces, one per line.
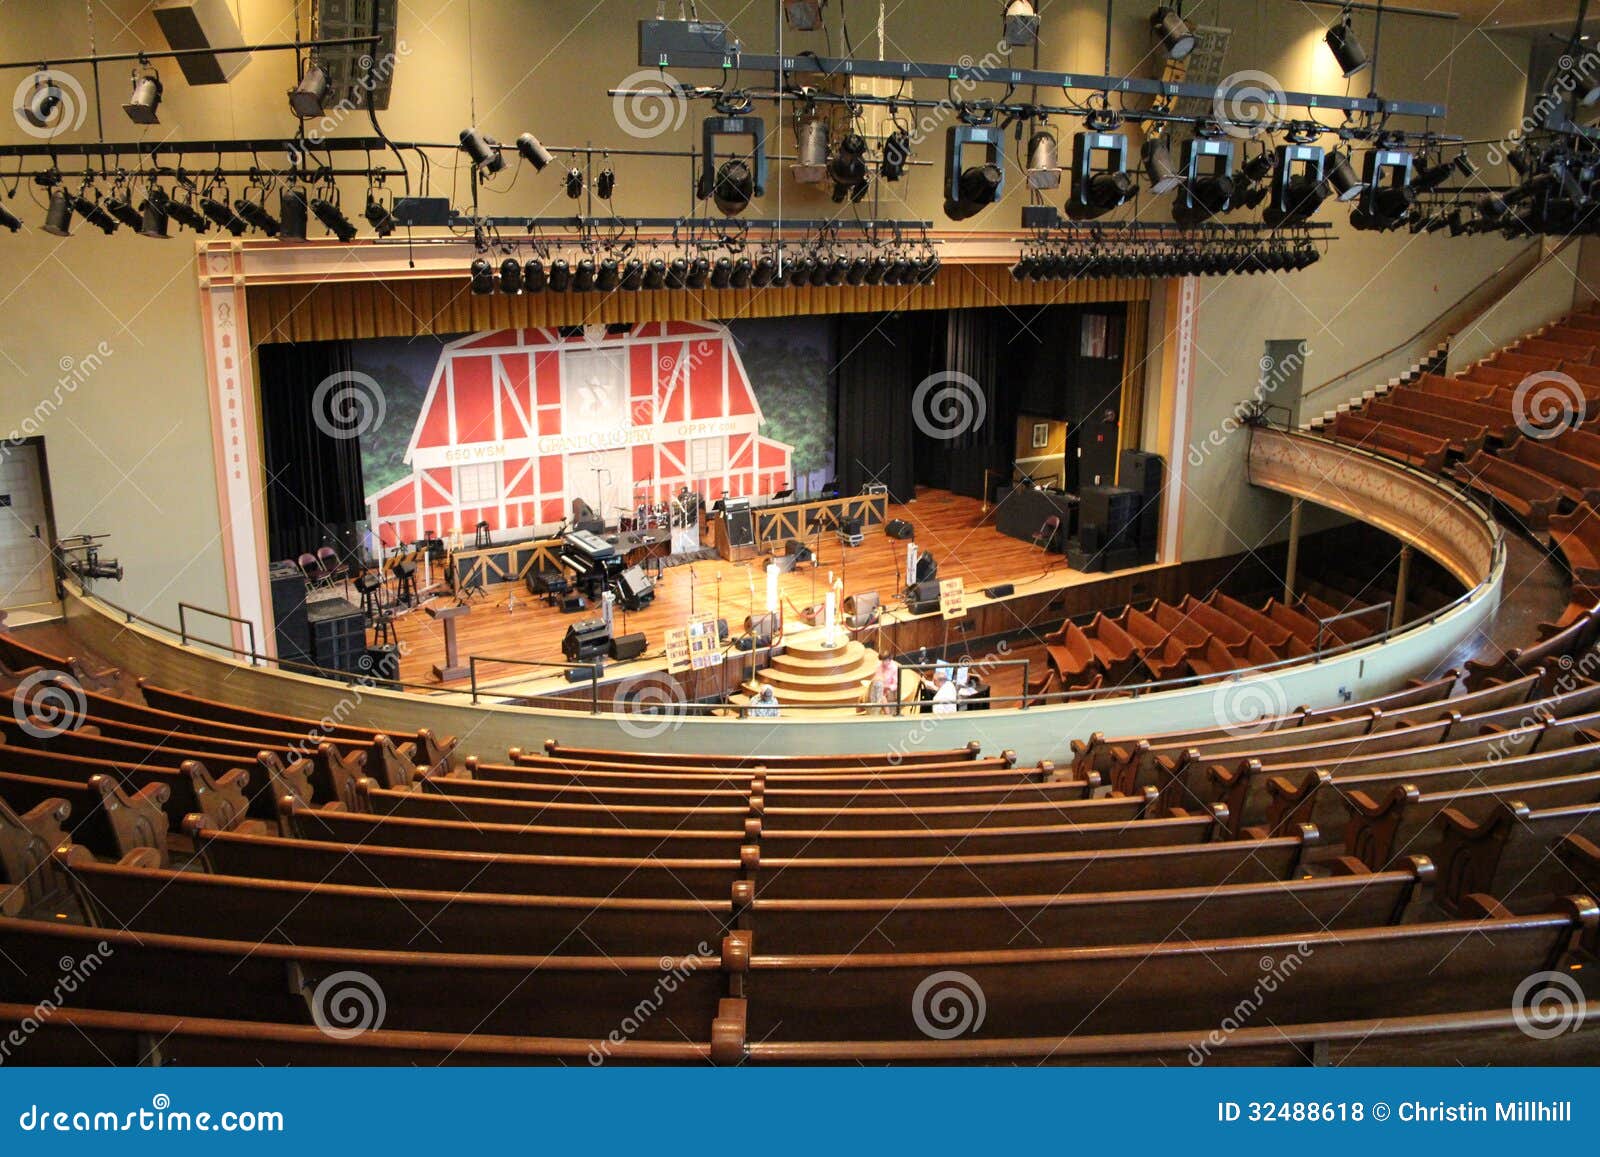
{"x":810,"y":672}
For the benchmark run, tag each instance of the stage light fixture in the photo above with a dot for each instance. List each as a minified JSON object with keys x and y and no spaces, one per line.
{"x":153,"y":214}
{"x":1298,"y":188}
{"x":734,"y":183}
{"x":1342,"y":177}
{"x":811,"y":151}
{"x":574,"y":183}
{"x":856,"y":274}
{"x":763,"y":273}
{"x":902,"y":272}
{"x":333,"y":219}
{"x":838,"y":269}
{"x":633,"y":276}
{"x":482,"y":277}
{"x":1346,"y":46}
{"x":1464,"y":165}
{"x":1159,"y":170}
{"x":801,"y":269}
{"x":1430,"y":177}
{"x":1044,"y":161}
{"x":42,"y":103}
{"x":608,"y":276}
{"x":1388,"y":196}
{"x":379,"y":213}
{"x":655,"y":274}
{"x":876,"y":269}
{"x":510,"y":277}
{"x":1022,"y":269}
{"x":532,"y":151}
{"x":733,"y":188}
{"x":120,"y":205}
{"x":1250,"y":186}
{"x":9,"y":220}
{"x":1171,"y":33}
{"x":1207,"y":187}
{"x":58,"y":217}
{"x":91,"y":210}
{"x":896,"y":155}
{"x":721,"y":273}
{"x":781,"y":270}
{"x":181,"y":209}
{"x":481,"y":150}
{"x":292,"y":215}
{"x":583,"y":275}
{"x":1021,"y":24}
{"x":848,"y":169}
{"x":803,"y":15}
{"x":534,"y":279}
{"x":928,"y":269}
{"x":970,"y":189}
{"x":216,"y":204}
{"x":605,"y":183}
{"x":256,"y":215}
{"x":145,"y":98}
{"x":1100,"y":182}
{"x":678,"y":273}
{"x":560,"y":276}
{"x":743,"y":271}
{"x":306,"y":99}
{"x":699,"y":273}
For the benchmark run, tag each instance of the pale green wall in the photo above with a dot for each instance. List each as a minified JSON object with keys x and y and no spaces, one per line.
{"x":130,"y":449}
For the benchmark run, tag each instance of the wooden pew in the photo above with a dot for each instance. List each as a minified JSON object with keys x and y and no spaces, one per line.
{"x":1577,"y":480}
{"x":1217,"y":659}
{"x":1526,"y":495}
{"x":1413,"y":969}
{"x":29,"y":881}
{"x":18,"y":653}
{"x":1339,"y":630}
{"x":1453,"y":389}
{"x":1521,"y":363}
{"x":581,"y":758}
{"x":432,"y":752}
{"x":1576,"y":638}
{"x":1577,"y":537}
{"x":137,"y":895}
{"x":191,"y":786}
{"x":1220,"y":626}
{"x":1273,"y":634}
{"x":531,"y":769}
{"x":101,"y":816}
{"x":1175,"y":622}
{"x":1552,"y":353}
{"x":1497,"y":420}
{"x":1114,"y":649}
{"x":1411,"y":446}
{"x":1463,"y":436}
{"x":1578,"y":442}
{"x":1379,"y":831}
{"x":566,"y":996}
{"x":1510,"y":853}
{"x":1070,"y":653}
{"x":1495,"y":376}
{"x":1168,"y":661}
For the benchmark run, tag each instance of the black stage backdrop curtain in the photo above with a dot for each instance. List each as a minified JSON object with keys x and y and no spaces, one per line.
{"x":881,"y":358}
{"x":314,"y":486}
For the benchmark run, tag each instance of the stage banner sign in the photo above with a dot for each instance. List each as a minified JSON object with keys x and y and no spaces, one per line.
{"x":678,"y":655}
{"x":952,"y":598}
{"x":702,"y":634}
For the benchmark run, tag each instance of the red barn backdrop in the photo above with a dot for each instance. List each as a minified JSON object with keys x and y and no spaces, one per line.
{"x":518,"y":423}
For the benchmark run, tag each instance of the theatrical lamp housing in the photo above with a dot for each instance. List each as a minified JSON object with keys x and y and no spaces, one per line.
{"x":307,"y":99}
{"x":1388,"y":195}
{"x":733,"y":188}
{"x":153,"y":214}
{"x":293,"y":215}
{"x":1159,"y":170}
{"x":574,"y":183}
{"x":379,"y":214}
{"x":605,"y":183}
{"x":482,"y":276}
{"x":42,"y":103}
{"x":1342,"y":178}
{"x":145,"y":97}
{"x":510,"y":276}
{"x":529,"y":148}
{"x":9,"y":220}
{"x":736,"y":182}
{"x":92,"y":211}
{"x":1298,"y":187}
{"x":533,"y":276}
{"x":58,"y":217}
{"x":811,"y":152}
{"x":1208,"y":184}
{"x":803,"y":15}
{"x":256,"y":214}
{"x":1100,"y":181}
{"x":1021,"y":24}
{"x":1171,"y":33}
{"x":847,"y":168}
{"x":970,"y":189}
{"x":1044,"y":161}
{"x":1346,"y":47}
{"x":485,"y":156}
{"x":333,"y":219}
{"x":896,"y":155}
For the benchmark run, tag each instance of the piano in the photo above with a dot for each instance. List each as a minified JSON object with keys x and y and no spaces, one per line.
{"x":594,"y":562}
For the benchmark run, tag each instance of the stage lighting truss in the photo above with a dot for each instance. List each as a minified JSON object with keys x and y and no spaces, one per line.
{"x":1100,"y":180}
{"x":1208,"y":185}
{"x":1150,"y":252}
{"x":739,"y":179}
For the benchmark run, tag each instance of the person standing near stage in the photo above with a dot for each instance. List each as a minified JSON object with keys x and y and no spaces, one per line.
{"x":884,"y":689}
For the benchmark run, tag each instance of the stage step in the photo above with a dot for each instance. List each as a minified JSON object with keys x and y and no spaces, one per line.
{"x":811,"y":672}
{"x":809,"y":664}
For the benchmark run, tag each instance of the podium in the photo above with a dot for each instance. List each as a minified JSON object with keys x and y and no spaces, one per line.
{"x":452,"y":668}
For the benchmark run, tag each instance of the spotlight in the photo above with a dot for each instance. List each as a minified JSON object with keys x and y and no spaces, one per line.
{"x":838,"y":270}
{"x":328,"y":212}
{"x":257,"y":216}
{"x":877,"y":269}
{"x":182,"y":211}
{"x":1386,"y":201}
{"x":1099,"y":182}
{"x":58,"y":217}
{"x":699,"y":271}
{"x":605,"y":183}
{"x":848,"y":169}
{"x":1345,"y":46}
{"x":803,"y":15}
{"x":9,"y":220}
{"x":485,"y":156}
{"x":93,"y":212}
{"x":633,"y":276}
{"x":678,"y":273}
{"x":292,"y":214}
{"x":655,"y":274}
{"x":153,"y":214}
{"x":738,"y":181}
{"x":1342,"y":177}
{"x":145,"y":97}
{"x":1431,"y":177}
{"x":532,"y":151}
{"x":821,"y":271}
{"x":510,"y":276}
{"x":928,"y":269}
{"x":970,"y":189}
{"x":560,"y":276}
{"x":608,"y":276}
{"x":1162,"y":174}
{"x":734,"y":188}
{"x":1172,"y":33}
{"x":743,"y":271}
{"x":811,"y":151}
{"x":379,"y":214}
{"x":219,"y":210}
{"x":1021,"y":24}
{"x":856,"y":274}
{"x":482,"y":277}
{"x":583,"y":276}
{"x":902,"y":272}
{"x":574,"y":183}
{"x":1298,"y":189}
{"x":120,"y":205}
{"x":763,"y":273}
{"x":801,"y":269}
{"x":1044,"y":164}
{"x":1207,"y":187}
{"x":721,"y":273}
{"x":1250,"y":182}
{"x":533,"y":276}
{"x":896,"y":155}
{"x":307,"y":98}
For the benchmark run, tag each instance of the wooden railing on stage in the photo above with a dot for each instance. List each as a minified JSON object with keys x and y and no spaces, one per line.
{"x":778,"y":524}
{"x":505,"y":563}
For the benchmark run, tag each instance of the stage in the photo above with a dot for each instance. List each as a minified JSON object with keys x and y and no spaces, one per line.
{"x":510,"y":624}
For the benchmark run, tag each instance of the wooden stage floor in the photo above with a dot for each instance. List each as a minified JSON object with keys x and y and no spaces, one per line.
{"x":510,"y":623}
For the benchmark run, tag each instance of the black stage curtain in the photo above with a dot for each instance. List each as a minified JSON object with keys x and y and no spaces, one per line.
{"x":881,"y":358}
{"x":314,"y":487}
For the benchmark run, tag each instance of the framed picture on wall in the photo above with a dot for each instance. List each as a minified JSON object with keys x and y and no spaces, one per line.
{"x":1041,"y":435}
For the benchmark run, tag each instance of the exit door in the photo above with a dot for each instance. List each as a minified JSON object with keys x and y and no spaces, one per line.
{"x":25,"y":574}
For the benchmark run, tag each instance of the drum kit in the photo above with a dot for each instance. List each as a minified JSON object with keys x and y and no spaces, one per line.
{"x":644,"y":516}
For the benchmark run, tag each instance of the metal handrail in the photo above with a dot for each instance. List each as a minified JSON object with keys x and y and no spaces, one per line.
{"x":183,"y":627}
{"x":1322,"y":623}
{"x":592,"y":668}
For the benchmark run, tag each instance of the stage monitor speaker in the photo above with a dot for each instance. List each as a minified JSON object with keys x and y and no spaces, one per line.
{"x":637,"y":589}
{"x":625,"y":647}
{"x":741,"y":525}
{"x":1000,"y":591}
{"x":898,"y":528}
{"x":382,"y":666}
{"x":922,"y":597}
{"x":338,"y":635}
{"x":927,"y":569}
{"x":766,"y":623}
{"x":290,"y":630}
{"x":799,"y":552}
{"x":585,"y":640}
{"x":861,"y":610}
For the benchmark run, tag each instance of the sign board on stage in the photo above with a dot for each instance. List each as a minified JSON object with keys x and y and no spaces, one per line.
{"x":952,"y":598}
{"x":703,"y":641}
{"x":678,"y":658}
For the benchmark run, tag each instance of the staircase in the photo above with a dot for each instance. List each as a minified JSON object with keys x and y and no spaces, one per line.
{"x":808,"y":671}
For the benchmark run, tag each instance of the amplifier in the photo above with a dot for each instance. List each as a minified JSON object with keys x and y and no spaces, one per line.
{"x":898,"y":528}
{"x":625,"y":647}
{"x":741,"y":524}
{"x":338,"y":635}
{"x":290,"y":630}
{"x":922,"y":597}
{"x":585,"y":640}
